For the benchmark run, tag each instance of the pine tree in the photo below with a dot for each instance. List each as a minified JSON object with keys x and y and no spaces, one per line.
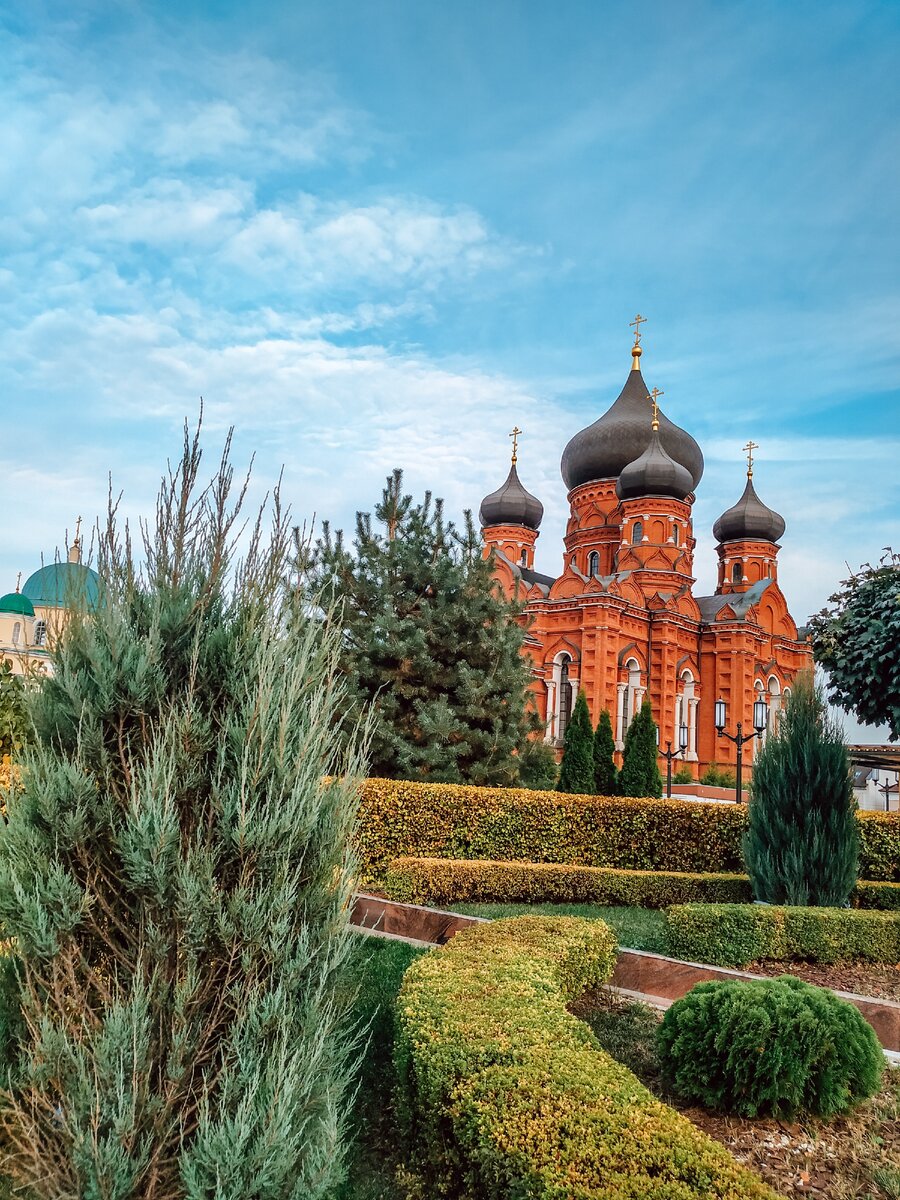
{"x":176,"y":877}
{"x":605,"y":773}
{"x":640,"y":774}
{"x":14,"y":723}
{"x":802,"y":843}
{"x":576,"y":771}
{"x":430,"y":645}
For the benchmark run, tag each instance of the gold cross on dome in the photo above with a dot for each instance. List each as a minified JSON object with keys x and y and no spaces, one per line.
{"x":515,"y":435}
{"x":654,"y":400}
{"x":749,"y":448}
{"x":637,"y":322}
{"x":78,"y":529}
{"x":18,"y":580}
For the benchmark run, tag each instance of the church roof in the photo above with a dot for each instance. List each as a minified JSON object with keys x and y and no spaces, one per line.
{"x":511,"y":504}
{"x":17,"y":604}
{"x":749,"y":519}
{"x":654,"y":473}
{"x":739,"y":602}
{"x":622,"y":434}
{"x":62,"y":585}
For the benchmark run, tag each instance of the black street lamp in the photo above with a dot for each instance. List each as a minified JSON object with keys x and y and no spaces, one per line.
{"x":760,"y":721}
{"x":668,"y":754}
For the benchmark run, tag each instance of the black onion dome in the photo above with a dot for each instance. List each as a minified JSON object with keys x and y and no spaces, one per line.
{"x":748,"y":520}
{"x":621,"y":435}
{"x":655,"y":473}
{"x":511,"y":504}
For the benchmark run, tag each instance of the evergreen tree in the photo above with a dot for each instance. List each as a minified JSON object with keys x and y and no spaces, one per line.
{"x":538,"y":769}
{"x":429,"y":643}
{"x":605,"y":773}
{"x":176,"y":877}
{"x":802,"y":843}
{"x":576,"y":771}
{"x":14,"y":722}
{"x":640,"y":774}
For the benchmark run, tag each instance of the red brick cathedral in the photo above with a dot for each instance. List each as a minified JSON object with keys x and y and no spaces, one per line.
{"x":621,"y":621}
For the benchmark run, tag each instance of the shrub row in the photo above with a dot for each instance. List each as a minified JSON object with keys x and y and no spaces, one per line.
{"x":733,"y":935}
{"x":448,"y":881}
{"x":452,"y":881}
{"x":504,"y":1093}
{"x":423,"y":820}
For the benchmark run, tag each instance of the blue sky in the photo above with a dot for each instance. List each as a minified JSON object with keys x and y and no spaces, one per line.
{"x":381,"y":234}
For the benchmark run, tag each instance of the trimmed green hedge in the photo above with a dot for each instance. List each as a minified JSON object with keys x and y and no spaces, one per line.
{"x":733,"y":935}
{"x":440,"y":820}
{"x":448,"y":881}
{"x":504,"y":1094}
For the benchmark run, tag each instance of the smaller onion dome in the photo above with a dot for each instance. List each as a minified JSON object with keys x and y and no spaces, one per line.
{"x":511,"y":504}
{"x":749,"y":519}
{"x":654,"y":473}
{"x":16,"y":603}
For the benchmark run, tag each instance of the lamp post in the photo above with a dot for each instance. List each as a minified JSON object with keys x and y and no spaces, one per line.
{"x":760,"y":720}
{"x":668,"y":754}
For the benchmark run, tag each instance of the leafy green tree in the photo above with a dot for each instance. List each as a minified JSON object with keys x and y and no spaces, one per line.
{"x":430,"y":646}
{"x":640,"y":774}
{"x":538,"y":769}
{"x":175,"y":873}
{"x":576,"y":771}
{"x":15,"y":727}
{"x":605,"y":773}
{"x":802,"y":845}
{"x":857,"y":642}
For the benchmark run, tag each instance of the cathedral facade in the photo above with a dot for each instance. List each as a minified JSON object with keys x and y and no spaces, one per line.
{"x":621,"y":621}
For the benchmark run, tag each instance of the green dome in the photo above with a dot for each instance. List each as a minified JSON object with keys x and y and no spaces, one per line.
{"x":15,"y":602}
{"x":63,"y":585}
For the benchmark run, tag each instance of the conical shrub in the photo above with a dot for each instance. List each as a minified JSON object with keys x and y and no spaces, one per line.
{"x":576,"y":771}
{"x":802,"y":845}
{"x":640,"y":766}
{"x":605,"y":773}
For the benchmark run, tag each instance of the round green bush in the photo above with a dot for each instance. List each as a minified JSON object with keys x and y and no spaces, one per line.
{"x":769,"y":1046}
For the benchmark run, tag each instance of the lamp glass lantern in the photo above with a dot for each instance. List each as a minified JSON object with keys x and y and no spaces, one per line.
{"x":721,"y":715}
{"x":760,"y":715}
{"x":683,"y":737}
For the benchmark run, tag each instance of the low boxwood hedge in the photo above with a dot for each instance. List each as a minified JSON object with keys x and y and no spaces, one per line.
{"x":503,"y":1093}
{"x":733,"y":935}
{"x":440,"y":820}
{"x":450,"y":881}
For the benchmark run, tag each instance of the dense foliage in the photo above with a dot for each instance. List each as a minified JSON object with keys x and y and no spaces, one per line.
{"x":576,"y":771}
{"x":857,"y":642}
{"x":769,"y":1047}
{"x":605,"y":774}
{"x":802,"y":842}
{"x":15,"y":725}
{"x":174,"y":871}
{"x":504,"y":1093}
{"x":399,"y":818}
{"x":733,"y":935}
{"x":640,"y":774}
{"x":538,"y":768}
{"x":430,"y":647}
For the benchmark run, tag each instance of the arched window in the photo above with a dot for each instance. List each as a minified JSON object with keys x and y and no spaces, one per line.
{"x":737,"y":573}
{"x":593,"y":564}
{"x":17,"y":633}
{"x":686,"y":712}
{"x":775,"y":701}
{"x":40,"y":633}
{"x":676,"y":533}
{"x":523,"y":561}
{"x":637,"y":533}
{"x":564,"y":697}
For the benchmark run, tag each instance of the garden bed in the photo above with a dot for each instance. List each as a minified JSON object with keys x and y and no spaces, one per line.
{"x":865,"y":979}
{"x":855,"y":1157}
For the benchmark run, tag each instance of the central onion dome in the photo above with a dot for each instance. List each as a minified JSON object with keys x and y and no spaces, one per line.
{"x":511,"y":504}
{"x":749,"y":520}
{"x":622,"y":434}
{"x":655,"y":473}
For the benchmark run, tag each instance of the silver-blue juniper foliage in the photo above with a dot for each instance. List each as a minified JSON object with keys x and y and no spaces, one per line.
{"x":176,"y":876}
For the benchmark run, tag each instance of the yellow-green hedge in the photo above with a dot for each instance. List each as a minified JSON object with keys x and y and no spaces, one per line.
{"x":504,"y":1094}
{"x":453,"y":880}
{"x":733,"y":935}
{"x":449,"y":881}
{"x":440,"y":820}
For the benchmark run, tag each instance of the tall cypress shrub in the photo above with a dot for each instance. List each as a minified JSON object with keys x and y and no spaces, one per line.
{"x":576,"y":771}
{"x":605,"y":773}
{"x":640,"y":763}
{"x":176,"y":876}
{"x":802,"y":844}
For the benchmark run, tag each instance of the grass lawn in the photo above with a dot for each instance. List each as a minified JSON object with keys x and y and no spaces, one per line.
{"x":636,"y":928}
{"x":378,"y":974}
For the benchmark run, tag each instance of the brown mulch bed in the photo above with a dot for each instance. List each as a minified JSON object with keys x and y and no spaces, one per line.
{"x":854,"y":1157}
{"x":865,"y":979}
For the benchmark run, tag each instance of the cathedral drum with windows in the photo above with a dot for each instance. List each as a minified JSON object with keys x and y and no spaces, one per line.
{"x":622,"y":622}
